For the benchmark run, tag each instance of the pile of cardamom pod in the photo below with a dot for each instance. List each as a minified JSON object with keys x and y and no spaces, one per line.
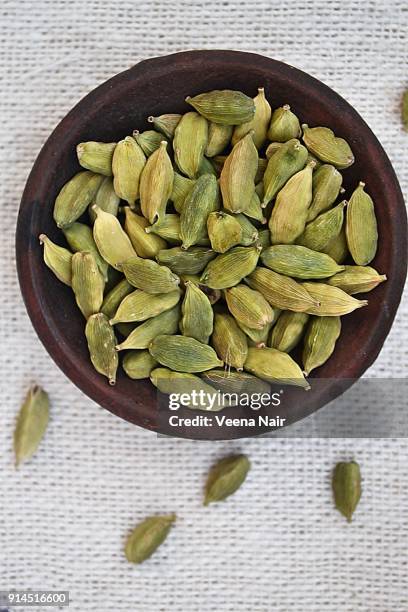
{"x":214,"y":244}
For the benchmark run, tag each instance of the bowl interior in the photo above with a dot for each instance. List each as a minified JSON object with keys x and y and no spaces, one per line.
{"x":123,"y":104}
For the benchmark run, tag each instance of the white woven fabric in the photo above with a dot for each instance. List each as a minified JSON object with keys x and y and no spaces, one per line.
{"x":277,"y":545}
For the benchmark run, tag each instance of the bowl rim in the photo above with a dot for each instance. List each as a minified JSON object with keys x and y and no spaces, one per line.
{"x":34,"y":301}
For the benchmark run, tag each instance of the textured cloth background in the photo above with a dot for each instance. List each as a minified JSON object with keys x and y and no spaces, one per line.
{"x":277,"y":544}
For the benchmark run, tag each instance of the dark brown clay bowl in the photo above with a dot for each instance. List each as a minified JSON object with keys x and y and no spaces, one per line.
{"x":160,"y":85}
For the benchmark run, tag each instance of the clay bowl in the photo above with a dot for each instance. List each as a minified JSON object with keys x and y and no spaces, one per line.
{"x":122,"y":104}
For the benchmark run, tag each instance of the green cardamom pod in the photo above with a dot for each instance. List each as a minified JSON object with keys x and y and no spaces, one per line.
{"x":156,"y":184}
{"x":320,"y":339}
{"x":230,"y":381}
{"x":289,"y":159}
{"x":219,"y":137}
{"x":149,"y":276}
{"x":237,"y":180}
{"x":112,"y":242}
{"x":139,"y":306}
{"x":258,"y":125}
{"x":284,"y":125}
{"x":289,"y":214}
{"x":288,"y":331}
{"x":227,"y":106}
{"x":206,"y":167}
{"x":248,"y":306}
{"x":168,"y":228}
{"x":361,"y":227}
{"x":230,"y":268}
{"x":105,"y":198}
{"x":321,"y":231}
{"x":80,"y":238}
{"x":226,"y":477}
{"x":166,"y":124}
{"x":404,"y":110}
{"x":281,"y":291}
{"x":149,"y":141}
{"x":322,"y":142}
{"x":190,"y":261}
{"x":32,"y":422}
{"x":254,"y":209}
{"x":146,"y":245}
{"x":337,"y":248}
{"x":327,"y":181}
{"x":181,"y":188}
{"x":332,"y":301}
{"x":256,"y":337}
{"x":75,"y":197}
{"x":147,"y":537}
{"x":229,"y":341}
{"x":272,"y":148}
{"x":87,"y":283}
{"x":299,"y":262}
{"x":57,"y":259}
{"x":197,"y":314}
{"x":224,"y":231}
{"x":114,"y":297}
{"x":264,"y":239}
{"x":101,"y":344}
{"x":249,"y":231}
{"x":200,"y":202}
{"x":190,"y":141}
{"x":96,"y":156}
{"x":138,"y":364}
{"x":184,"y":354}
{"x":346,"y":485}
{"x":187,"y":386}
{"x":275,"y":367}
{"x":166,"y":322}
{"x":127,"y":165}
{"x":357,"y":279}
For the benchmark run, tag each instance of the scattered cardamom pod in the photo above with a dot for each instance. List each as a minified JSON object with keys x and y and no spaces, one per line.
{"x":361,"y":227}
{"x":226,"y":106}
{"x":321,"y":231}
{"x":181,"y":188}
{"x":96,"y":156}
{"x":168,"y":228}
{"x":281,"y":291}
{"x":166,"y":124}
{"x":320,"y":339}
{"x":80,"y":238}
{"x":200,"y":202}
{"x":101,"y":344}
{"x":105,"y":198}
{"x":147,"y":537}
{"x":114,"y":297}
{"x":225,"y":478}
{"x":190,"y":261}
{"x":289,"y":159}
{"x":337,"y":248}
{"x":346,"y":485}
{"x":219,"y":137}
{"x":32,"y":422}
{"x":149,"y":141}
{"x":145,"y":245}
{"x":332,"y":302}
{"x":327,"y":181}
{"x":224,"y":231}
